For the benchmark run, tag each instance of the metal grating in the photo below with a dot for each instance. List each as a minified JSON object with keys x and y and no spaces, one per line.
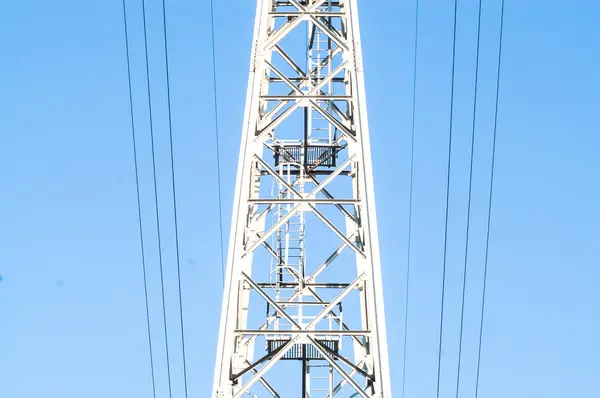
{"x":316,"y":155}
{"x":296,"y":352}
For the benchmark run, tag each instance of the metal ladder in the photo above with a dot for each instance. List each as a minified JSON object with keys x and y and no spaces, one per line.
{"x":321,"y":380}
{"x":320,"y":131}
{"x":289,"y":246}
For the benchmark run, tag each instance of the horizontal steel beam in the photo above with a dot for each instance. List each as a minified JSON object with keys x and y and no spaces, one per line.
{"x":280,"y":3}
{"x":291,"y":285}
{"x":341,"y":333}
{"x":317,"y":97}
{"x":312,"y":172}
{"x":301,"y":79}
{"x":299,"y":14}
{"x":318,"y":201}
{"x":257,"y":363}
{"x":341,"y":358}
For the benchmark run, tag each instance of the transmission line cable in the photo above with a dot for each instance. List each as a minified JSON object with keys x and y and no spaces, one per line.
{"x":468,"y":227}
{"x":439,"y":370}
{"x":174,"y":193}
{"x":218,"y":156}
{"x":139,"y":205}
{"x":491,"y":192}
{"x":160,"y":260}
{"x":410,"y":201}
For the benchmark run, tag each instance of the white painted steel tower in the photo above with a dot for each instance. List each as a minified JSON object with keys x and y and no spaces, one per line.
{"x":303,"y":312}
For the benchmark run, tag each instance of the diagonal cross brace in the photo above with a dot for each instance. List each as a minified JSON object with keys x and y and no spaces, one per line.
{"x":265,"y":383}
{"x":334,"y":302}
{"x":287,"y":27}
{"x":316,"y":89}
{"x":258,"y":375}
{"x":278,"y":177}
{"x":337,"y":388}
{"x":330,"y":177}
{"x":339,"y":357}
{"x":269,"y":300}
{"x":341,"y":371}
{"x":273,"y":229}
{"x":335,"y":230}
{"x":253,"y":366}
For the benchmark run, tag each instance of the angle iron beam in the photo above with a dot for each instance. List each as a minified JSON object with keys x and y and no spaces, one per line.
{"x":272,"y":302}
{"x":257,"y":376}
{"x":339,"y":357}
{"x":347,"y":131}
{"x":255,"y":364}
{"x":297,"y":14}
{"x":265,"y":383}
{"x":290,"y":61}
{"x":316,"y":97}
{"x":271,"y":231}
{"x":267,"y":332}
{"x":315,"y":6}
{"x":327,"y":262}
{"x":280,"y":74}
{"x":333,"y":35}
{"x":274,"y":123}
{"x":342,"y":372}
{"x":328,"y":195}
{"x":336,"y":317}
{"x":278,"y":35}
{"x":314,"y":172}
{"x":330,"y":177}
{"x":341,"y":384}
{"x":290,"y":285}
{"x":335,"y":302}
{"x":335,"y":230}
{"x":276,"y":175}
{"x":305,"y":200}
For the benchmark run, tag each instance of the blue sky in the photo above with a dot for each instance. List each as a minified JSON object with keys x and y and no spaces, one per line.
{"x":72,"y":320}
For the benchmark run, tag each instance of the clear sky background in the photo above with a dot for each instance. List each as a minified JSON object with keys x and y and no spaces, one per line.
{"x":72,"y":318}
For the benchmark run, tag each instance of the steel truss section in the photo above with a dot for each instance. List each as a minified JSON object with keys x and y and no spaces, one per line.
{"x":290,"y":325}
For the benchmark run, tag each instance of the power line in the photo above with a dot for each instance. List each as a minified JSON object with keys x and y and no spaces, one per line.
{"x":410,"y":202}
{"x":218,"y":159}
{"x":160,"y":261}
{"x":491,"y":192}
{"x":174,"y":192}
{"x":464,"y":282}
{"x":139,"y":205}
{"x":439,"y":371}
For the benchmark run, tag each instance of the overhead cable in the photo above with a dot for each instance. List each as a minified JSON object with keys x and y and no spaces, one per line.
{"x":158,"y":233}
{"x":139,"y":205}
{"x":491,"y":192}
{"x":410,"y":200}
{"x":217,"y":150}
{"x":468,"y":227}
{"x":174,"y":193}
{"x":448,"y":172}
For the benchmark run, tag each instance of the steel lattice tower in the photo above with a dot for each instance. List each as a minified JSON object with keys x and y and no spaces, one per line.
{"x":303,"y":307}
